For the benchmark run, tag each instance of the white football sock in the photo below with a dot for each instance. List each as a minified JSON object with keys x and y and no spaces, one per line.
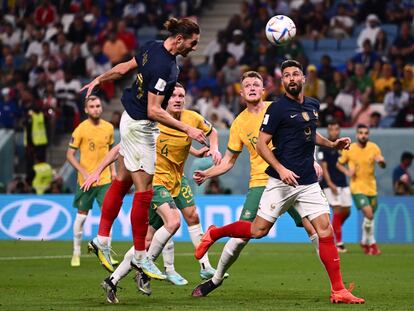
{"x":77,"y":233}
{"x":196,"y":233}
{"x":124,"y":267}
{"x":139,"y":255}
{"x":168,"y":256}
{"x":371,"y":237}
{"x":228,"y":256}
{"x":158,"y":242}
{"x":315,"y":242}
{"x":103,"y":240}
{"x":366,"y":231}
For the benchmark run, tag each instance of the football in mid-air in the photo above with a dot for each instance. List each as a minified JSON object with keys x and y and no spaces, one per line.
{"x":280,"y":29}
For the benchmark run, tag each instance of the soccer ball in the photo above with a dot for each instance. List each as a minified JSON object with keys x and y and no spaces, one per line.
{"x":280,"y":29}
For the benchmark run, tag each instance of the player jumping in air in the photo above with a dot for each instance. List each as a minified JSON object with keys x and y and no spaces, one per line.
{"x":290,"y":124}
{"x":143,"y":103}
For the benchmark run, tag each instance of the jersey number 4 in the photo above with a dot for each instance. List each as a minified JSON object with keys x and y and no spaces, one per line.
{"x":164,"y":150}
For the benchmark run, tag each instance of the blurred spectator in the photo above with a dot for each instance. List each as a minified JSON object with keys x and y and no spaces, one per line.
{"x":370,"y":32}
{"x":45,"y":14}
{"x":362,"y":80}
{"x":306,"y":13}
{"x":348,"y":98}
{"x":204,"y":102}
{"x":367,"y":56}
{"x":35,"y":45}
{"x":277,"y":7}
{"x":63,"y":45}
{"x":331,"y":113}
{"x":236,"y":46}
{"x":336,"y":84}
{"x":57,"y":187}
{"x":217,"y":122}
{"x":405,"y":117}
{"x":326,"y":71}
{"x":9,"y":110}
{"x":126,"y":36}
{"x":341,"y":25}
{"x":67,"y":93}
{"x":408,"y":79}
{"x":42,"y":175}
{"x":18,"y":186}
{"x":97,"y":63}
{"x":314,"y":86}
{"x":78,"y":30}
{"x":375,"y":120}
{"x":213,"y":47}
{"x":76,"y":62}
{"x":214,"y":187}
{"x":401,"y":178}
{"x":394,"y":101}
{"x":403,"y":45}
{"x":96,"y":20}
{"x":397,"y":11}
{"x":134,"y":13}
{"x":53,"y":72}
{"x":384,"y":83}
{"x":115,"y":49}
{"x":116,"y":119}
{"x":10,"y":36}
{"x":376,"y":70}
{"x":231,"y":71}
{"x":220,"y":58}
{"x":223,"y":113}
{"x":50,"y":107}
{"x":318,"y":26}
{"x":381,"y":44}
{"x":362,"y":113}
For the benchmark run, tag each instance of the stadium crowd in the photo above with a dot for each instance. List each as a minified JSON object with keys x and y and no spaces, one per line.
{"x":46,"y":57}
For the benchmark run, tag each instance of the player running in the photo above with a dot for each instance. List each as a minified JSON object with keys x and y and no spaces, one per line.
{"x":361,"y":158}
{"x":290,"y":124}
{"x":93,"y":138}
{"x":143,"y":103}
{"x":171,"y":191}
{"x":242,"y":135}
{"x":335,"y":186}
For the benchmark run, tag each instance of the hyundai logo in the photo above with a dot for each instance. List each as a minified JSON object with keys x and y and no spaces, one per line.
{"x":34,"y":219}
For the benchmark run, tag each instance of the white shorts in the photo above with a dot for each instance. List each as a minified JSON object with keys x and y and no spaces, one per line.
{"x":343,"y":198}
{"x":308,"y":200}
{"x":138,"y":143}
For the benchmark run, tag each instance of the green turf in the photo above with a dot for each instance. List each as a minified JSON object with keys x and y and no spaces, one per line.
{"x":266,"y":277}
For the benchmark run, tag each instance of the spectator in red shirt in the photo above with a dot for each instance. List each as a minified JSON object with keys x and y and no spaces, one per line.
{"x":126,"y":36}
{"x":45,"y":14}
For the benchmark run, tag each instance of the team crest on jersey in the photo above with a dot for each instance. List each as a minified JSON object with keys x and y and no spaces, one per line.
{"x":305,"y":116}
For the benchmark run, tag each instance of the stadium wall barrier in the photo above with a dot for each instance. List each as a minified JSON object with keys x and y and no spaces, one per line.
{"x":50,"y":217}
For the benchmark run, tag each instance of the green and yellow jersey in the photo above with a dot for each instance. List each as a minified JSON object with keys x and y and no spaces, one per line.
{"x":173,"y":147}
{"x":244,"y":132}
{"x":93,"y":142}
{"x":362,"y":161}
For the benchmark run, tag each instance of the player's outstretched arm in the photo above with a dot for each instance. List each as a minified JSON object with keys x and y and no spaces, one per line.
{"x":109,"y":158}
{"x":225,"y":165}
{"x":339,"y":144}
{"x":262,"y":148}
{"x":156,"y":113}
{"x":114,"y":73}
{"x":214,"y":152}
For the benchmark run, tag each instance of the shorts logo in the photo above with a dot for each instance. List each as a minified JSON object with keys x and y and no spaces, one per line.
{"x":273,"y":206}
{"x":305,"y":116}
{"x":164,"y":193}
{"x":161,"y":84}
{"x":247,"y":214}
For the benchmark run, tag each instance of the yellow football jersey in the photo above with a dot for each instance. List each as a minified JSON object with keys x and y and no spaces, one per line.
{"x":362,"y":161}
{"x":244,"y":132}
{"x":173,"y":147}
{"x":93,"y":142}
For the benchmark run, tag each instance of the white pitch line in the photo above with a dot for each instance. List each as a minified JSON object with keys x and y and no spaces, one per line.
{"x":70,"y":256}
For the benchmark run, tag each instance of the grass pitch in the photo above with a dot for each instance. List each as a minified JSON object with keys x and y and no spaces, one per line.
{"x":38,"y":276}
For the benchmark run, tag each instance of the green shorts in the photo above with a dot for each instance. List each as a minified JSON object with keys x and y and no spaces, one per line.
{"x":162,"y":195}
{"x":251,"y":205}
{"x":362,"y":200}
{"x":83,"y":201}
